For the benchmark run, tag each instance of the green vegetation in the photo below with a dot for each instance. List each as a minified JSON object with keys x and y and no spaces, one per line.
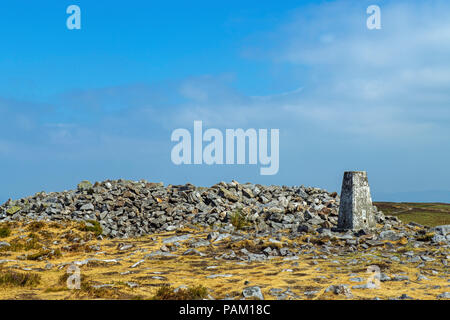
{"x":91,"y":226}
{"x":426,"y":237}
{"x":18,"y":279}
{"x":85,"y":186}
{"x":44,"y":254}
{"x":5,"y":232}
{"x":86,"y":287}
{"x":35,"y":226}
{"x":428,"y":214}
{"x":17,"y":244}
{"x":166,"y":292}
{"x":239,"y":220}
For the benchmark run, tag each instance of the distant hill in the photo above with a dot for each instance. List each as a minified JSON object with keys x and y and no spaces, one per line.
{"x":413,"y":196}
{"x":428,"y":214}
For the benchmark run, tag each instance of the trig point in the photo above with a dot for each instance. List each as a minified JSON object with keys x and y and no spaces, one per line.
{"x":356,"y":210}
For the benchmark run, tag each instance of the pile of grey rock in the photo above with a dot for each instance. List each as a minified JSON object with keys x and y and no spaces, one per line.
{"x":134,"y":208}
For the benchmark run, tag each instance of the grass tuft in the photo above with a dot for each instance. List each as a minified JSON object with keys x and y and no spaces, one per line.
{"x":239,"y":220}
{"x":19,"y":279}
{"x":35,"y":226}
{"x":17,"y":244}
{"x":5,"y":232}
{"x":166,"y":292}
{"x":44,"y":254}
{"x":91,"y":226}
{"x":427,"y":214}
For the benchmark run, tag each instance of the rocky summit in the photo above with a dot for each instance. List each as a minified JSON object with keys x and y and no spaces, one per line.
{"x":130,"y":209}
{"x":143,"y":240}
{"x":125,"y":209}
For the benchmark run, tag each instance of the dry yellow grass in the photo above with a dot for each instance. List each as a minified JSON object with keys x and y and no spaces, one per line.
{"x":298,"y":276}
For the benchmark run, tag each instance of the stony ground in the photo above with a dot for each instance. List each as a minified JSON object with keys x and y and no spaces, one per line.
{"x":35,"y":256}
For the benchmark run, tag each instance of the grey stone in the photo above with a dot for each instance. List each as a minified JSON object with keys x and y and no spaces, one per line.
{"x":101,"y":286}
{"x":176,"y":239}
{"x":384,"y":277}
{"x":4,"y":244}
{"x":359,"y":279}
{"x":193,"y":252}
{"x":427,"y":259}
{"x":340,"y":289}
{"x":87,"y":206}
{"x":159,"y":253}
{"x":200,"y":243}
{"x":421,"y":277}
{"x":445,"y":295}
{"x":356,"y":209}
{"x":368,"y":285}
{"x":442,"y":230}
{"x":214,"y":276}
{"x":253,"y":292}
{"x":311,"y":293}
{"x":390,"y":235}
{"x":134,"y":208}
{"x":132,"y":285}
{"x":137,"y":264}
{"x":400,"y":278}
{"x":125,"y":247}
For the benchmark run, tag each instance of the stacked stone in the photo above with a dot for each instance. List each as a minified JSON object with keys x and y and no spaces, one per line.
{"x":134,"y":208}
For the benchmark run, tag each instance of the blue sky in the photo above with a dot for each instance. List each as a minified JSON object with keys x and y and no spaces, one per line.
{"x":101,"y":102}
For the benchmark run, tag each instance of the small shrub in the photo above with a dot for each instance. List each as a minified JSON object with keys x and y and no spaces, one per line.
{"x":426,"y":237}
{"x":56,"y":225}
{"x":35,"y":226}
{"x":44,"y":254}
{"x":19,"y":279}
{"x":238,"y":220}
{"x":5,"y":232}
{"x":92,"y":226}
{"x":17,"y":244}
{"x":86,"y":287}
{"x":166,"y":292}
{"x":85,"y":186}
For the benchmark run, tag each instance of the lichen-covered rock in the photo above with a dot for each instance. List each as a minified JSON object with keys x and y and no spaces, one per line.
{"x":84,"y":186}
{"x":340,"y":289}
{"x":13,"y":210}
{"x":253,"y":293}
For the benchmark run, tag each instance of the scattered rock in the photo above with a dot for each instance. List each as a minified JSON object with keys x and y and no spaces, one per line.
{"x":214,"y":276}
{"x":340,"y":289}
{"x":4,"y":244}
{"x":253,"y":292}
{"x":137,"y":264}
{"x":445,"y":295}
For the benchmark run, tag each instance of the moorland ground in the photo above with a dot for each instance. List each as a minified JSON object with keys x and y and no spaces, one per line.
{"x":34,"y":263}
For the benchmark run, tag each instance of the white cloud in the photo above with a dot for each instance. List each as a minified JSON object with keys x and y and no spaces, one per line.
{"x":386,"y":84}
